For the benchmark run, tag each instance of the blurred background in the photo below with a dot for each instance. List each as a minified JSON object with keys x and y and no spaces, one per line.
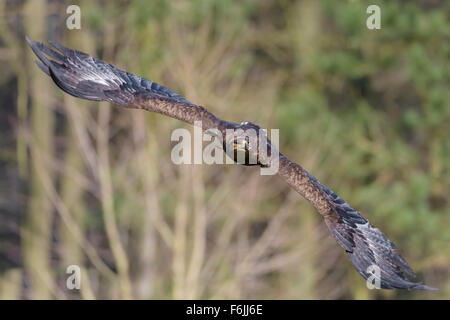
{"x":89,"y":184}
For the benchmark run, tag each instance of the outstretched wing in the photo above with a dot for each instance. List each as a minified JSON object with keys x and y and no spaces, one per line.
{"x":369,"y":250}
{"x":83,"y":76}
{"x":372,"y":254}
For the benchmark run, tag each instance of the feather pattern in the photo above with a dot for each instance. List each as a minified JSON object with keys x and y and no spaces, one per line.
{"x":85,"y":77}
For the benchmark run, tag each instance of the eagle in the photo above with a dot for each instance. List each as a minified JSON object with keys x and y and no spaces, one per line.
{"x":370,"y":251}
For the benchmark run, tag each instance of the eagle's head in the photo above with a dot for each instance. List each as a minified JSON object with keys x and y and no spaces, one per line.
{"x":248,"y":145}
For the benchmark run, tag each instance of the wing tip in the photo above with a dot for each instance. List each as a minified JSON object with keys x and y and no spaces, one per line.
{"x":30,"y":42}
{"x":37,"y":51}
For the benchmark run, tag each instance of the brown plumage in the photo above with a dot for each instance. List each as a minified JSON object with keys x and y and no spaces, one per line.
{"x":88,"y":78}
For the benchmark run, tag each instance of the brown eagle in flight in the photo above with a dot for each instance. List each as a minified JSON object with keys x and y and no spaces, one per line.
{"x":85,"y":77}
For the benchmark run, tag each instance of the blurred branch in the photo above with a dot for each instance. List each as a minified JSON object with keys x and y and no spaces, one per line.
{"x":107,"y":202}
{"x":37,"y":244}
{"x":18,"y":57}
